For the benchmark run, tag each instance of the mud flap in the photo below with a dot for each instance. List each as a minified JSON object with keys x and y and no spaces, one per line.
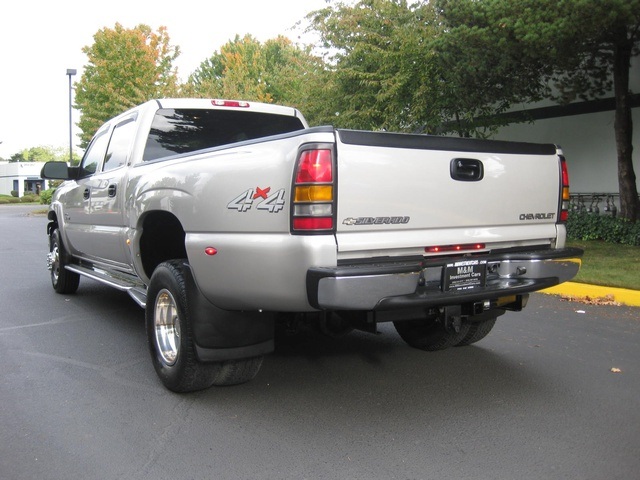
{"x":227,"y":335}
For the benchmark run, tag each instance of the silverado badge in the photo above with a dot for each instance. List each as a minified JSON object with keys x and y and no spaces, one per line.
{"x":375,"y":220}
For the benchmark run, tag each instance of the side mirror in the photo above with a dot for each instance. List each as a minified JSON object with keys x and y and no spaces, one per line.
{"x":56,"y":171}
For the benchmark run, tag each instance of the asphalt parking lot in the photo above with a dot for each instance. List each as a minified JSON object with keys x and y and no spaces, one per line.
{"x":552,"y":393}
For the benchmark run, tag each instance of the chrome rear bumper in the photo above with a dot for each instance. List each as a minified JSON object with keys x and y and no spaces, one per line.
{"x":393,"y":285}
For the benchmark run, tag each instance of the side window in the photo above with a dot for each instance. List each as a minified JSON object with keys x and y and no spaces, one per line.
{"x":95,"y":153}
{"x":120,"y":144}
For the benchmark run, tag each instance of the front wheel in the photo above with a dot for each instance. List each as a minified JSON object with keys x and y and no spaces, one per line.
{"x":170,"y":337}
{"x":62,"y":280}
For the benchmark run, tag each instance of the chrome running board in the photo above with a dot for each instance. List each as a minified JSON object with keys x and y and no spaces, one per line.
{"x":127,"y":283}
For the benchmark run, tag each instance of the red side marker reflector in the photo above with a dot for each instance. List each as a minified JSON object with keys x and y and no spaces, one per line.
{"x":210,"y":251}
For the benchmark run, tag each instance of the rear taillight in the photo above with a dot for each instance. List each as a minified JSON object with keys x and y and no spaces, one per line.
{"x":565,"y":197}
{"x":314,"y":194}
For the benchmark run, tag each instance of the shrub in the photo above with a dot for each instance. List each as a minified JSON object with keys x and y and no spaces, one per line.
{"x":45,"y":196}
{"x":14,"y":193}
{"x":30,"y":198}
{"x":588,"y":226}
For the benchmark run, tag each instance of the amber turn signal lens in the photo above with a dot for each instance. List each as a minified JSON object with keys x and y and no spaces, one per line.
{"x":314,"y":193}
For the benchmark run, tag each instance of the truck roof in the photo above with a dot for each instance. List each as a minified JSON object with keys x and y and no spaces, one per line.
{"x":208,"y":103}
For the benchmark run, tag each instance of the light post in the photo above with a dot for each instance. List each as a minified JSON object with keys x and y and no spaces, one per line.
{"x":70,"y":72}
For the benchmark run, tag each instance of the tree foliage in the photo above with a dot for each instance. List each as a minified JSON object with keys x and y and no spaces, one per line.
{"x":599,"y":58}
{"x":380,"y":59}
{"x":438,"y":66}
{"x":42,"y":154}
{"x":393,"y":68}
{"x":236,"y":72}
{"x":126,"y":67}
{"x":522,"y":47}
{"x":276,"y":71}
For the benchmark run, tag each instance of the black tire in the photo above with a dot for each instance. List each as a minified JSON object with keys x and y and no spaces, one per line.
{"x":477,"y":331}
{"x":429,"y":334}
{"x":170,"y":338}
{"x":235,"y":372}
{"x":62,"y":280}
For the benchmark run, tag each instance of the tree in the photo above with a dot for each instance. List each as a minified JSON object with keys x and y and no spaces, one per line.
{"x":294,"y":76}
{"x":236,"y":72}
{"x":608,"y":37}
{"x":41,"y":154}
{"x":126,"y":67}
{"x":522,"y":47}
{"x":276,"y":71}
{"x":383,"y":74}
{"x":388,"y":70}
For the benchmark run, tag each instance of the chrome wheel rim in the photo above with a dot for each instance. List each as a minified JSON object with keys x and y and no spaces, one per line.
{"x":167,"y":327}
{"x":54,"y":263}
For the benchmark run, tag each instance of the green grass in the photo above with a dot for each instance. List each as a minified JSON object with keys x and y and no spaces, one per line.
{"x":608,"y":264}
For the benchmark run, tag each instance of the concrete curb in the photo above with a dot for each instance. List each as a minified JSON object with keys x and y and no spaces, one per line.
{"x":583,"y":290}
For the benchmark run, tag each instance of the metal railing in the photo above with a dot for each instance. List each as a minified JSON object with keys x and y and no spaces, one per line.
{"x":595,"y":203}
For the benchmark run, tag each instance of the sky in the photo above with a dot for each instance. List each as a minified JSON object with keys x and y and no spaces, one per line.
{"x":41,"y":39}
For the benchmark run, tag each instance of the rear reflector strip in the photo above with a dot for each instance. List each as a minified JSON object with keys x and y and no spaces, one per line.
{"x":312,"y":223}
{"x":455,"y":248}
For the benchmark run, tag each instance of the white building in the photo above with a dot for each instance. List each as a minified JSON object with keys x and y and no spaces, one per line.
{"x":22,"y":177}
{"x":585,"y":132}
{"x":587,"y":140}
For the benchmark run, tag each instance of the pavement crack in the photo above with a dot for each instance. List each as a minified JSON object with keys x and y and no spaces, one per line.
{"x":56,"y":321}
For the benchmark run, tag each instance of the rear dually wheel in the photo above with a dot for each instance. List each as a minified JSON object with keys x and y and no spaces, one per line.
{"x":431,"y":333}
{"x":171,"y":341}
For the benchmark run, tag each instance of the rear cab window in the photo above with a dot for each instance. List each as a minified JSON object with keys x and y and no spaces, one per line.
{"x":177,"y":131}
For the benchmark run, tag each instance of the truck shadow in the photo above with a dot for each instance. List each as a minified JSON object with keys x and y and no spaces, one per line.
{"x":311,"y":367}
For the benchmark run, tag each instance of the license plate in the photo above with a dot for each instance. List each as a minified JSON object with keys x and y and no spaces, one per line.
{"x":465,"y":275}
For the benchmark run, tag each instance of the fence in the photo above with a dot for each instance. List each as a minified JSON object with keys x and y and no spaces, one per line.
{"x":595,"y":203}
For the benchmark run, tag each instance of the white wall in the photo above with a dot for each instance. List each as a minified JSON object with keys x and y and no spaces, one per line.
{"x":588,"y":142}
{"x":20,"y":171}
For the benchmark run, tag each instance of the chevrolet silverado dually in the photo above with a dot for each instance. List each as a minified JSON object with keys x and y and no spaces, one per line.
{"x":225,"y":220}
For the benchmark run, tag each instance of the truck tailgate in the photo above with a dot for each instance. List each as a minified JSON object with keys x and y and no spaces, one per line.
{"x":399,"y":193}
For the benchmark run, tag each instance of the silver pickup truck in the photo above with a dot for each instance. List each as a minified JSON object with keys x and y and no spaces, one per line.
{"x":226,"y":220}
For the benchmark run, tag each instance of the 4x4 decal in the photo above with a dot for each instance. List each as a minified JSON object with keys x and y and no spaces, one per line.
{"x":260,"y":198}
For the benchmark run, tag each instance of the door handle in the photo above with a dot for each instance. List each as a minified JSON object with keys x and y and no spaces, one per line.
{"x":111,"y":191}
{"x":86,"y":194}
{"x":467,"y":169}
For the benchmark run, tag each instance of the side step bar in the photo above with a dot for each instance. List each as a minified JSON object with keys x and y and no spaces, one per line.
{"x":135,"y":289}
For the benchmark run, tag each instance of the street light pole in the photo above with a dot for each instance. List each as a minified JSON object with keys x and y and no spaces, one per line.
{"x":70,"y":72}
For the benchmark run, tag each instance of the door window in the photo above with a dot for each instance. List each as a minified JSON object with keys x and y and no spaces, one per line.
{"x":95,"y":153}
{"x":120,"y":144}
